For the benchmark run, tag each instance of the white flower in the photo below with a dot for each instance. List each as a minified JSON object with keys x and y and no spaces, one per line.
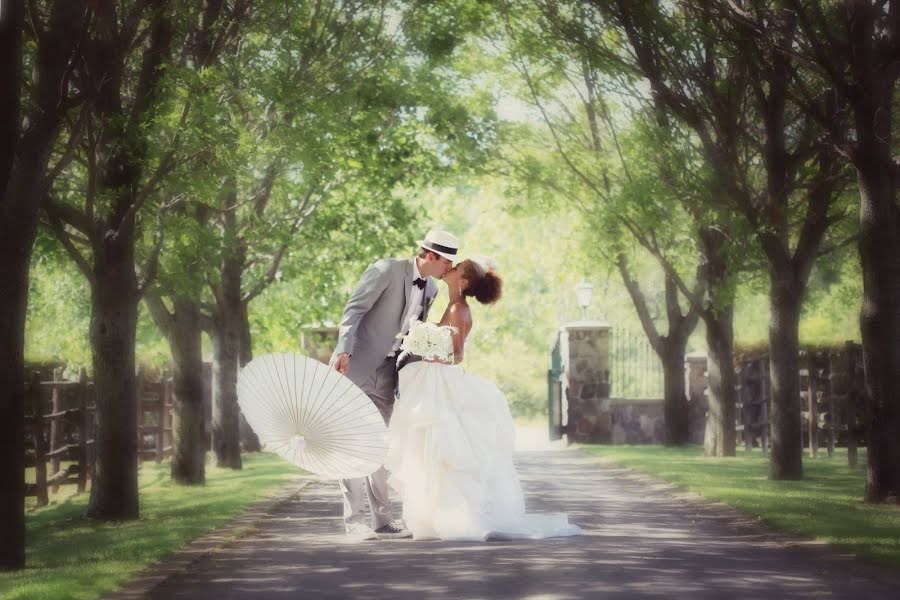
{"x":430,"y":341}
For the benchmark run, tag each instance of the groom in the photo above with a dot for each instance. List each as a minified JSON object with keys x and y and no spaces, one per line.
{"x":391,"y":293}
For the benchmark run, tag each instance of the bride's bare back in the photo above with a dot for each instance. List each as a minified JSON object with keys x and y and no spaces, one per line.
{"x":458,"y":316}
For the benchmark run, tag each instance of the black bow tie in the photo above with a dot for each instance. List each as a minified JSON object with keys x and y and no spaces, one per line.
{"x":419,"y":283}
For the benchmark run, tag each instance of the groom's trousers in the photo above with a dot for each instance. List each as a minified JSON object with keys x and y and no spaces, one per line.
{"x":380,"y":388}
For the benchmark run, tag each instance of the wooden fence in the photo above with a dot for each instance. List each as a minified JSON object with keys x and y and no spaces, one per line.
{"x":155,"y":401}
{"x":65,"y":433}
{"x":60,"y":428}
{"x":751,"y":407}
{"x":832,"y":393}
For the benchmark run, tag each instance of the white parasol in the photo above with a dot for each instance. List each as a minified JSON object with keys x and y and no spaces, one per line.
{"x":313,"y":416}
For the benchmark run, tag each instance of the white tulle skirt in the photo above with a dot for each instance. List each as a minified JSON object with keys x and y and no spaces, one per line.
{"x":450,"y":459}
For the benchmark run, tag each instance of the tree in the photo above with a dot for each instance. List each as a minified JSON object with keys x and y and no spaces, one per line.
{"x":211,"y":33}
{"x":853,"y":46}
{"x":708,"y":73}
{"x":182,"y":327}
{"x":96,"y":211}
{"x":30,"y":117}
{"x":335,"y":114}
{"x":622,"y":196}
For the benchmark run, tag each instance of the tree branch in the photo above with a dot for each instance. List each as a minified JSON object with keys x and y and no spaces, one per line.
{"x":58,"y":229}
{"x":151,"y":267}
{"x":71,"y":216}
{"x":306,"y":209}
{"x":640,"y":304}
{"x":842,"y":244}
{"x":160,"y":314}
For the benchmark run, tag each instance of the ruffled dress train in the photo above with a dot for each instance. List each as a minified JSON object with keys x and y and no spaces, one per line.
{"x":451,"y":460}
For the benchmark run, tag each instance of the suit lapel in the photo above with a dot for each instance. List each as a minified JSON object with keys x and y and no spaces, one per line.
{"x":408,"y":287}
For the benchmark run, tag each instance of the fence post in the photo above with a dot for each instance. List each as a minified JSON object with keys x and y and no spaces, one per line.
{"x":84,"y":430}
{"x":812,"y":370}
{"x":743,"y":402}
{"x":168,"y":403}
{"x":160,"y":418}
{"x":831,"y":421}
{"x":40,"y":445}
{"x":764,"y":391}
{"x":56,"y":430}
{"x":851,"y":405}
{"x":139,"y":382}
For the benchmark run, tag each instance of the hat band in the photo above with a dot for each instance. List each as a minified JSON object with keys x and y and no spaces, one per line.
{"x":432,"y":246}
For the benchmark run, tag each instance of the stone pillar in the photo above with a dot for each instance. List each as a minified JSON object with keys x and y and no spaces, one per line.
{"x":696,"y":382}
{"x":586,"y":362}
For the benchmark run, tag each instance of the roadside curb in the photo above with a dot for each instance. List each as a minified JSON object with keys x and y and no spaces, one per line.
{"x":156,"y":574}
{"x":823,"y":554}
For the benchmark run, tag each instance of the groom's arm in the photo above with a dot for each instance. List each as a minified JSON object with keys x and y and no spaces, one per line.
{"x":371,"y":286}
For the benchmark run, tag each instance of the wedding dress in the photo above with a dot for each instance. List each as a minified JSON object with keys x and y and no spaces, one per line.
{"x":451,"y":460}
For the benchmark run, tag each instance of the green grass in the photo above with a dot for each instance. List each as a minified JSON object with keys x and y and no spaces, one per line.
{"x":827,"y":504}
{"x":69,"y":556}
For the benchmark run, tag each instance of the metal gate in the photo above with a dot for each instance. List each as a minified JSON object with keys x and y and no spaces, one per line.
{"x":635,"y":368}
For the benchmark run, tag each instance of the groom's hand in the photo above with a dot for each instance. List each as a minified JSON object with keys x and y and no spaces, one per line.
{"x":342,"y":363}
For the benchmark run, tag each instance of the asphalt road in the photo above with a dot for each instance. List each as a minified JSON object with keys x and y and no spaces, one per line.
{"x":641,"y":540}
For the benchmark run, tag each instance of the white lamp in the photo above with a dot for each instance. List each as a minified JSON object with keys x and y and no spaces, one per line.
{"x":583,"y":292}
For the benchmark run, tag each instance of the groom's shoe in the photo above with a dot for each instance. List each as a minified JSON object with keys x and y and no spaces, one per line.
{"x":360,"y":532}
{"x":392,"y":531}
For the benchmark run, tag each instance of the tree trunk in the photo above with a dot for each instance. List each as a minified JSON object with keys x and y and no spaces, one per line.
{"x":17,"y":223}
{"x":720,"y":439}
{"x":879,"y":250}
{"x":15,"y":246}
{"x":226,"y":337}
{"x":114,"y":299}
{"x":11,"y":29}
{"x":675,"y":400}
{"x":121,"y":149}
{"x":249,"y":439}
{"x":188,"y":427}
{"x":226,"y":414}
{"x":669,"y":349}
{"x":24,"y":155}
{"x":785,"y":300}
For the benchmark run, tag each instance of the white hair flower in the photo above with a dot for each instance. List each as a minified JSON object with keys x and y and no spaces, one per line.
{"x":487,"y":264}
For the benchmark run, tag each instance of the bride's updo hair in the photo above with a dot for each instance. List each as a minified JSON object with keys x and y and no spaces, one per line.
{"x":484,"y":285}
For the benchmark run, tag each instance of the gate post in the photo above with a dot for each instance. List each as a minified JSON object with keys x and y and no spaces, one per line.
{"x":585,"y":353}
{"x":555,"y":400}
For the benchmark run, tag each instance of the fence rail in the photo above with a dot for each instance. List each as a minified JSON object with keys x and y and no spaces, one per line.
{"x":831,"y":397}
{"x":60,"y":426}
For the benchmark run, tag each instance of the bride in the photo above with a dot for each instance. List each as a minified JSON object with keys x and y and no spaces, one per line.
{"x":451,"y":438}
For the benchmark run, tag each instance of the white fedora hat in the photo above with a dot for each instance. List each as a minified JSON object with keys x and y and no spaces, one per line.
{"x":440,"y":242}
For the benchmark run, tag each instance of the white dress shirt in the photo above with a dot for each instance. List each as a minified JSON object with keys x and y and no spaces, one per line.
{"x":414,"y":310}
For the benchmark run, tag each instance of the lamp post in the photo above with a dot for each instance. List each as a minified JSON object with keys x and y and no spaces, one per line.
{"x":583,"y":292}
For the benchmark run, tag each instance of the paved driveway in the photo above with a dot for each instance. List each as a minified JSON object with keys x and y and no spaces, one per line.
{"x":640,"y":541}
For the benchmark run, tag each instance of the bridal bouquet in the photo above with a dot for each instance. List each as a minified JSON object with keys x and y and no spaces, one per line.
{"x":428,"y":340}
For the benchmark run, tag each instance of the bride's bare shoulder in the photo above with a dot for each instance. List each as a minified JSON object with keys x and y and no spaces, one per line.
{"x":459,"y":309}
{"x":458,"y":314}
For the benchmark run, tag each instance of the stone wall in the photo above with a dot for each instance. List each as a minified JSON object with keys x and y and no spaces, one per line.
{"x":592,"y":417}
{"x":637,"y":422}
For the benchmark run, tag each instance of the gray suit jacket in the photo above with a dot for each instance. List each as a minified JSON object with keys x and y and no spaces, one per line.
{"x":374,"y":315}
